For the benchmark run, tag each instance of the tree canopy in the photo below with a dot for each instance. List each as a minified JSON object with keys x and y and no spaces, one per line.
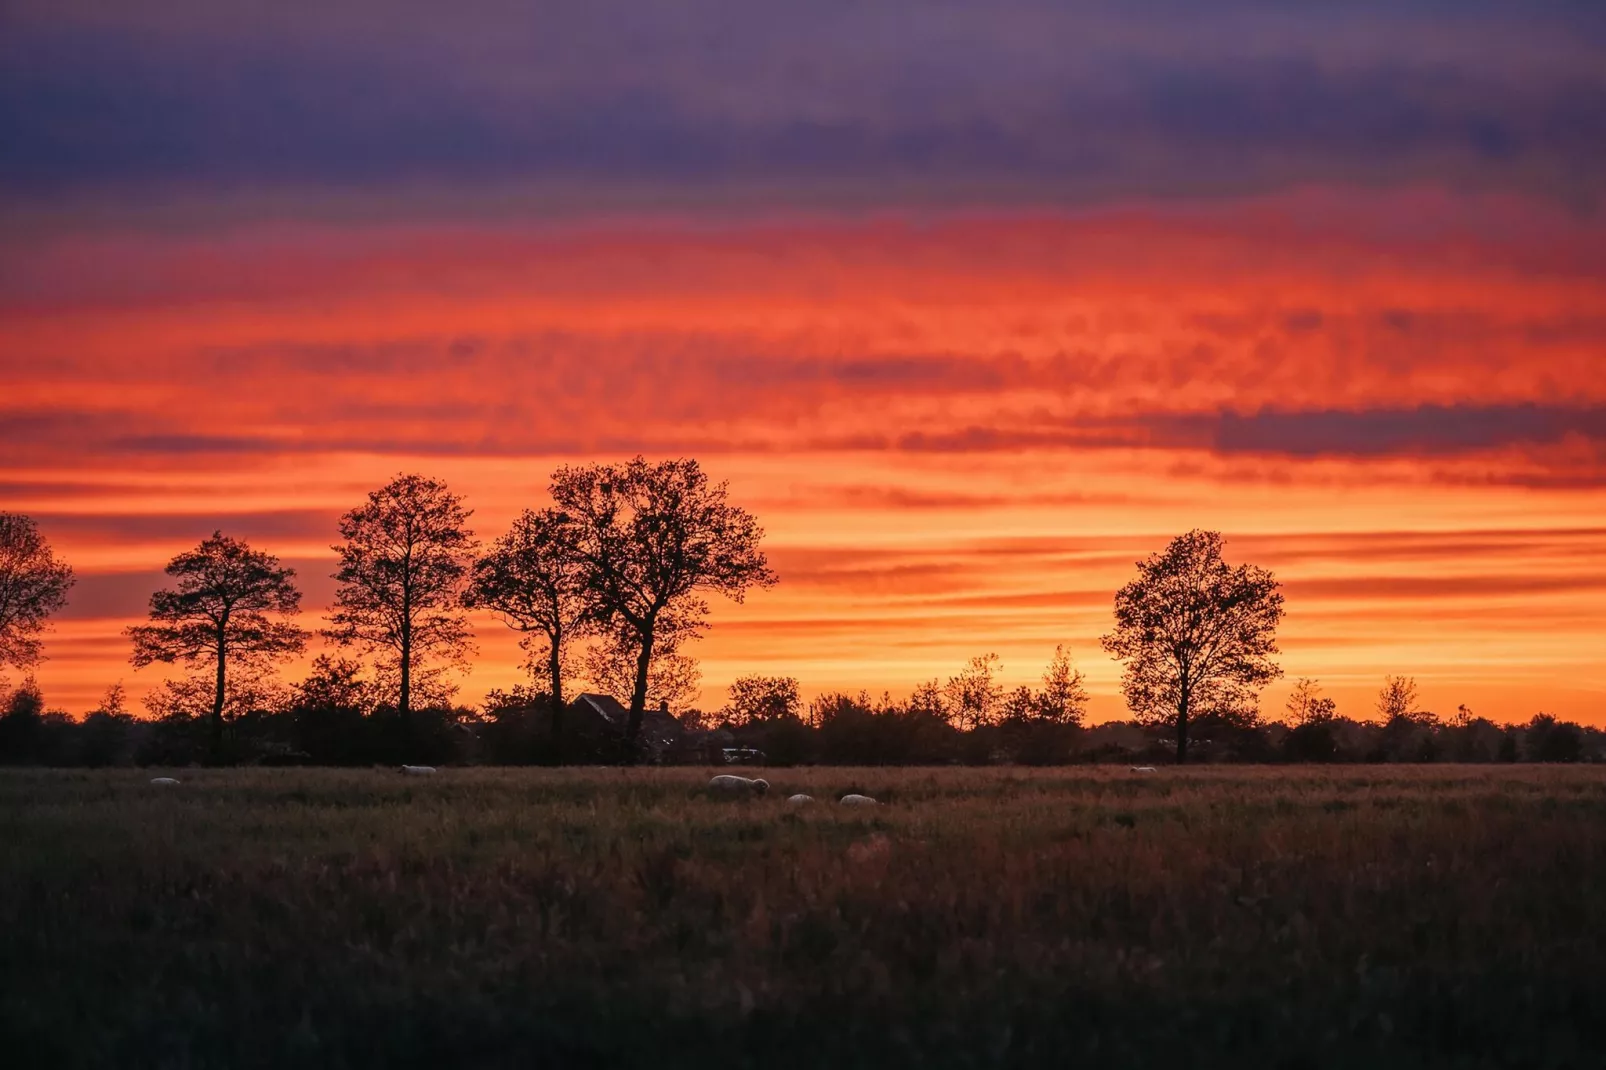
{"x":33,"y":585}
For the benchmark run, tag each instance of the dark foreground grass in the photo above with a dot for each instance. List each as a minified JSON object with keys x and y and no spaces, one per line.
{"x":1379,"y":917}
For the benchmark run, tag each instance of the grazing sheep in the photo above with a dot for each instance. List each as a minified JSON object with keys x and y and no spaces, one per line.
{"x":418,"y":770}
{"x":1144,"y":769}
{"x":163,"y":780}
{"x":858,"y":800}
{"x":730,"y":784}
{"x":800,"y":800}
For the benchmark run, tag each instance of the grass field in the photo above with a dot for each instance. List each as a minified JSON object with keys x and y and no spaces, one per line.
{"x":1384,"y":916}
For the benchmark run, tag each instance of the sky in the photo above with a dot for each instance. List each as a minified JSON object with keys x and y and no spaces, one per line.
{"x":974,"y":305}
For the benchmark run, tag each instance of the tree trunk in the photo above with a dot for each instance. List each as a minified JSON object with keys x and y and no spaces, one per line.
{"x":217,"y":699}
{"x":404,"y":703}
{"x":638,"y":697}
{"x":1182,"y":727}
{"x":555,"y":665}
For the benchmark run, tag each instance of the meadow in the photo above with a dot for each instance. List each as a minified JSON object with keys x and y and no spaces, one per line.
{"x":1298,"y":917}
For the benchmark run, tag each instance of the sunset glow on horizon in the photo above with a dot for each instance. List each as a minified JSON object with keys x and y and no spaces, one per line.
{"x":962,"y":395}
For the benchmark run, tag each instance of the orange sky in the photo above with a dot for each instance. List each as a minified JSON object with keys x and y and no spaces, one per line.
{"x":959,"y":430}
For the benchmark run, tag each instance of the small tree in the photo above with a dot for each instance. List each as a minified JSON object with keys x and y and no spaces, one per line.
{"x":251,"y":687}
{"x":533,"y":579}
{"x":1397,"y":700}
{"x":974,"y":696}
{"x":653,"y":539}
{"x":33,"y":585}
{"x":1196,"y":634}
{"x":406,"y":555}
{"x":1307,"y":705}
{"x":328,"y":712}
{"x":1063,"y":699}
{"x":930,"y":699}
{"x":337,"y":683}
{"x":219,"y":615}
{"x":22,"y":723}
{"x":1022,"y":704}
{"x":114,"y":700}
{"x":762,"y":698}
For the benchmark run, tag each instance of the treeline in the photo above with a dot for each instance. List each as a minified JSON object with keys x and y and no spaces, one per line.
{"x":333,"y":718}
{"x":613,"y":577}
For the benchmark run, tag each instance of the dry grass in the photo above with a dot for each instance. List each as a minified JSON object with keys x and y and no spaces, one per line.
{"x":1379,"y":916}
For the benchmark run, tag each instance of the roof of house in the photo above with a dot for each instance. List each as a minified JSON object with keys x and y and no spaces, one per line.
{"x":605,"y":706}
{"x":657,"y":726}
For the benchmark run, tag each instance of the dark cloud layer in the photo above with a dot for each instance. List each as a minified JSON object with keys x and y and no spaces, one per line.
{"x":1062,"y":102}
{"x":1417,"y":430}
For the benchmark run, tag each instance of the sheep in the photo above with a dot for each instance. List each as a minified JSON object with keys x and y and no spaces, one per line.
{"x":858,"y":800}
{"x":729,"y":784}
{"x":418,"y":770}
{"x":163,"y":780}
{"x":800,"y":800}
{"x":1144,"y":769}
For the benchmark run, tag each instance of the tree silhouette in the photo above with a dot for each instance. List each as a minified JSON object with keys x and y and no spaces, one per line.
{"x":218,"y":614}
{"x":33,"y":585}
{"x":1063,"y":699}
{"x":975,"y":698}
{"x":1307,"y":705}
{"x":653,"y":538}
{"x":403,"y":565}
{"x":335,"y":682}
{"x":1196,"y":634}
{"x":1398,"y":700}
{"x":535,"y":581}
{"x":762,"y":698}
{"x":1021,"y":704}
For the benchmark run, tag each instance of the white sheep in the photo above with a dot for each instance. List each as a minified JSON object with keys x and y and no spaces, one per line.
{"x":418,"y":770}
{"x":1144,"y":769}
{"x":858,"y":800}
{"x":800,"y":800}
{"x":730,"y":784}
{"x":163,"y":780}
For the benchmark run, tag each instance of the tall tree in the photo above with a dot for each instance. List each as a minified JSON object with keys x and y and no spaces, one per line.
{"x":403,"y":564}
{"x":654,"y":538}
{"x":33,"y":585}
{"x":1196,"y":634}
{"x":535,"y":581}
{"x":220,"y":613}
